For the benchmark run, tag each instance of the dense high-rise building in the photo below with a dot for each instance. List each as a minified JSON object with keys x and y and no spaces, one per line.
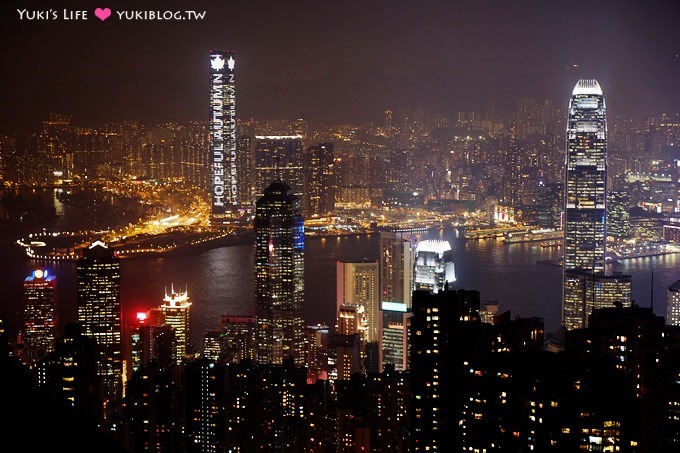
{"x":245,"y":170}
{"x":396,"y":257}
{"x":98,"y":300}
{"x":440,"y":340}
{"x":176,"y":313}
{"x":585,"y":199}
{"x":39,"y":315}
{"x":394,"y":335}
{"x":73,"y":371}
{"x":237,"y":335}
{"x":357,"y":283}
{"x":349,"y":340}
{"x":548,"y":202}
{"x":673,"y":304}
{"x":514,"y":170}
{"x":396,"y":268}
{"x":318,"y":352}
{"x":278,"y":158}
{"x":319,"y":180}
{"x":618,"y":215}
{"x":279,"y":276}
{"x":434,"y":266}
{"x":348,"y":361}
{"x":224,"y":183}
{"x":608,"y":290}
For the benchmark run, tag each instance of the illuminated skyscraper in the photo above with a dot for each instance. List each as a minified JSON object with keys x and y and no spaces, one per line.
{"x":396,"y":268}
{"x":514,"y":169}
{"x":39,"y":314}
{"x":349,"y":340}
{"x":224,"y":183}
{"x":98,"y":298}
{"x":278,"y":158}
{"x":245,"y":169}
{"x":396,"y":285}
{"x":618,"y":216}
{"x":279,"y":276}
{"x":175,"y":309}
{"x":319,"y":180}
{"x":357,"y":284}
{"x":434,"y":265}
{"x":585,"y":194}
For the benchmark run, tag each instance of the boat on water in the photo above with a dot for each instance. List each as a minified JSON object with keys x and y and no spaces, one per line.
{"x":642,"y":250}
{"x":546,"y":235}
{"x":550,"y":244}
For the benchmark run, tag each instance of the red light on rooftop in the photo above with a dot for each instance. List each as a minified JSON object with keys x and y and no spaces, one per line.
{"x":141,"y":316}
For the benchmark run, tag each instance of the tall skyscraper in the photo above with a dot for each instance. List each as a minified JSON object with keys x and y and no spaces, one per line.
{"x":319,"y":180}
{"x":514,"y":170}
{"x":585,"y":195}
{"x":39,"y":315}
{"x":98,"y":300}
{"x":278,"y":158}
{"x":396,"y":285}
{"x":618,"y":215}
{"x":279,"y":276}
{"x":357,"y":284}
{"x":396,"y":268}
{"x":349,"y":341}
{"x":176,"y":309}
{"x":245,"y":170}
{"x":224,"y":174}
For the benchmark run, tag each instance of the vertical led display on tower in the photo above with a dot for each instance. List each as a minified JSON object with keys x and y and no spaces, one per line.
{"x":223,"y":171}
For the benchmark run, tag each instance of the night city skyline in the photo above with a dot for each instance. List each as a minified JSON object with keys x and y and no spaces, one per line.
{"x":395,"y":226}
{"x":339,"y":62}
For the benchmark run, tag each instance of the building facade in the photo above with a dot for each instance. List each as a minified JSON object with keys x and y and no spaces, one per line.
{"x":434,"y":266}
{"x":279,"y":276}
{"x":319,"y":180}
{"x":396,"y":285}
{"x":585,"y":198}
{"x":39,"y":315}
{"x":673,"y":304}
{"x":224,"y":176}
{"x":279,"y":158}
{"x":357,"y":283}
{"x":176,"y":312}
{"x":98,"y":300}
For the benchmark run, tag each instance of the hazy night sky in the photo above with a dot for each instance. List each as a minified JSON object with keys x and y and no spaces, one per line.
{"x":335,"y":60}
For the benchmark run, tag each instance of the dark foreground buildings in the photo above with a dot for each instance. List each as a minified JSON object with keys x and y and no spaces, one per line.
{"x":482,"y":387}
{"x":469,"y":386}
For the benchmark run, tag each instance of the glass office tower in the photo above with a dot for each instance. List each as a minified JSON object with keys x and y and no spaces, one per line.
{"x":585,"y":194}
{"x":279,"y":276}
{"x":98,"y":294}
